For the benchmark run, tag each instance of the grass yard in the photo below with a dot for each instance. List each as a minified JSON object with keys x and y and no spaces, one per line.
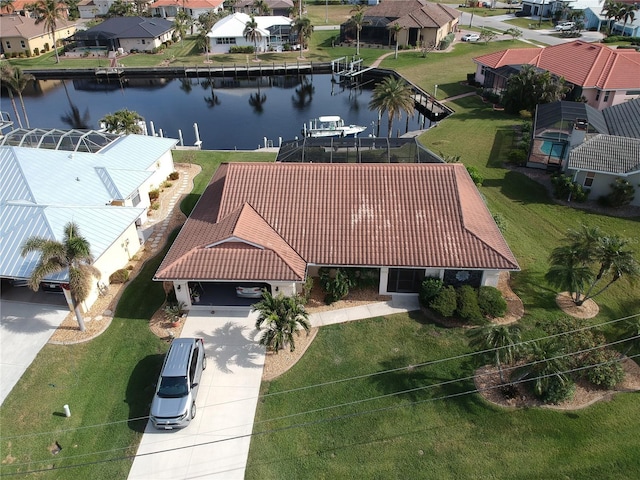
{"x":531,"y":23}
{"x":337,"y":14}
{"x":415,"y":435}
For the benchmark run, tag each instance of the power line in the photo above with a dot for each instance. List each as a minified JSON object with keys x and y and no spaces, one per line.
{"x":309,"y":423}
{"x":349,"y":379}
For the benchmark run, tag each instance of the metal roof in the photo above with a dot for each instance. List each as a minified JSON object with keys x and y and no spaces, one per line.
{"x":624,"y":119}
{"x":69,"y":140}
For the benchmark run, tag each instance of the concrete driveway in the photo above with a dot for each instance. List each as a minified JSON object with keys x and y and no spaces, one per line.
{"x":226,"y":402}
{"x":24,"y":329}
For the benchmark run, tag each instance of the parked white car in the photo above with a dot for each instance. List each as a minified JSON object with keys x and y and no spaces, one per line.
{"x":470,"y":37}
{"x":565,"y":26}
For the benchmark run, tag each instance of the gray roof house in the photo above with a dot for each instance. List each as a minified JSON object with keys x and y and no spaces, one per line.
{"x":132,"y":34}
{"x":105,"y":193}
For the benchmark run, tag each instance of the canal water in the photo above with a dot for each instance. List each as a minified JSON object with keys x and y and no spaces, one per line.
{"x":231,"y":113}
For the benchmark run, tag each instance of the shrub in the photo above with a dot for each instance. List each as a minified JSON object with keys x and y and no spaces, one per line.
{"x":337,"y":287}
{"x":36,"y":51}
{"x":517,"y":157}
{"x":475,"y":176}
{"x":306,"y":290}
{"x":174,"y":176}
{"x":155,"y":206}
{"x":429,"y":289}
{"x":501,"y":222}
{"x":119,"y":276}
{"x":610,"y":373}
{"x":445,"y":302}
{"x":468,"y":308}
{"x":558,"y":390}
{"x":564,"y":188}
{"x":491,"y":302}
{"x":622,"y":193}
{"x":239,"y":49}
{"x":154,"y":194}
{"x":166,"y":184}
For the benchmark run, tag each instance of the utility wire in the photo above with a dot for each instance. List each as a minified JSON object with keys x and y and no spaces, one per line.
{"x":356,"y":377}
{"x":306,"y":424}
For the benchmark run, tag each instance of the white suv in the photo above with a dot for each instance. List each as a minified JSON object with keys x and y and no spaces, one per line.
{"x":565,"y":26}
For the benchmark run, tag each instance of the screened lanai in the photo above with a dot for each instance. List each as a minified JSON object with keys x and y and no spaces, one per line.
{"x":90,"y":141}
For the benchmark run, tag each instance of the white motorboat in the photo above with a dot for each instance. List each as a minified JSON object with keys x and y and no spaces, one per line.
{"x":330,"y":126}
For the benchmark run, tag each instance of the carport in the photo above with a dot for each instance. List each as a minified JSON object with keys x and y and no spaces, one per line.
{"x":222,"y":294}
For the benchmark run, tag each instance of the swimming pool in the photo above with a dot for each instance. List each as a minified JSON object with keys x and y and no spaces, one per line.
{"x":552,"y":149}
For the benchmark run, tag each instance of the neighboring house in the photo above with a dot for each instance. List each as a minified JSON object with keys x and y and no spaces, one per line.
{"x":422,"y":22}
{"x":105,"y":193}
{"x":602,"y":75}
{"x":19,"y":7}
{"x":598,"y":162}
{"x":129,"y":33}
{"x":274,"y":224}
{"x":276,"y":7}
{"x":561,"y":127}
{"x":229,"y":32}
{"x":540,"y":8}
{"x":193,"y":8}
{"x":21,"y":36}
{"x":595,"y":20}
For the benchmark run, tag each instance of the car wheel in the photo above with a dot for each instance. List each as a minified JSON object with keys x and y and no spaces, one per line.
{"x":204,"y":363}
{"x":193,"y":410}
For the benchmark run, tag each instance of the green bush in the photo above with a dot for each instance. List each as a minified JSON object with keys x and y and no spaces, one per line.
{"x":36,"y":51}
{"x":429,"y":289}
{"x":558,"y":390}
{"x":119,"y":276}
{"x":445,"y":302}
{"x":517,"y":157}
{"x":501,"y":222}
{"x":468,"y":308}
{"x":174,"y":176}
{"x":154,"y":194}
{"x":491,"y":302}
{"x":564,"y":188}
{"x":336,"y":287}
{"x":607,"y":375}
{"x":475,"y":175}
{"x":622,"y":193}
{"x":245,"y":49}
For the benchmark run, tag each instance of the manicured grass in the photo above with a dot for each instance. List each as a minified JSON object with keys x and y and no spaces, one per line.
{"x":338,"y":14}
{"x":414,"y":435}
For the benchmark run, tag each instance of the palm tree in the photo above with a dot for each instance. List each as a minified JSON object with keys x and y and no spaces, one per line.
{"x":181,"y":23}
{"x":394,"y":96}
{"x":611,"y":11}
{"x":16,"y":81}
{"x":357,"y":21}
{"x":122,"y":122}
{"x":550,"y":362}
{"x":628,"y":14}
{"x":6,"y":80}
{"x":503,"y":341}
{"x":282,"y":316}
{"x":568,"y":273}
{"x":395,"y":28}
{"x":304,"y":29}
{"x":261,"y":8}
{"x":8,"y":6}
{"x":252,"y":33}
{"x":72,"y":254}
{"x":49,"y":12}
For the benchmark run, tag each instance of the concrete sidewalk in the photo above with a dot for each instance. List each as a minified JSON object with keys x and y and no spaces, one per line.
{"x":398,"y":304}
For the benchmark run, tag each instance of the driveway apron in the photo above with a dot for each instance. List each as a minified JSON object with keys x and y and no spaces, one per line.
{"x":24,"y":329}
{"x":216,"y":443}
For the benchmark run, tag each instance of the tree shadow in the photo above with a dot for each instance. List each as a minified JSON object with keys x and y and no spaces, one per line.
{"x":140,"y":390}
{"x":520,"y":188}
{"x":229,"y":346}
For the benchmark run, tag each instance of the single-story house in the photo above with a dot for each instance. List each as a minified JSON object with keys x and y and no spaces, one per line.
{"x":561,"y":127}
{"x":598,"y":162}
{"x":273,"y":225}
{"x":538,"y":8}
{"x":276,"y":7}
{"x":105,"y":193}
{"x":228,"y":32}
{"x":422,"y":22}
{"x":595,"y":20}
{"x":193,"y":8}
{"x":18,"y":7}
{"x":603,"y":76}
{"x":129,"y":33}
{"x":96,"y":8}
{"x":20,"y":35}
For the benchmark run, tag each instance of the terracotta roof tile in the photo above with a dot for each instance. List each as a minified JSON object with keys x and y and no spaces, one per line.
{"x":580,"y":63}
{"x":411,"y":215}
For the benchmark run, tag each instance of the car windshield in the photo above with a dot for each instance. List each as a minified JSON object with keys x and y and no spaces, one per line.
{"x":173,"y":387}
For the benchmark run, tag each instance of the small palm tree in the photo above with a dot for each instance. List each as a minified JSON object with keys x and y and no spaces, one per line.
{"x":283,"y":317}
{"x":548,"y":368}
{"x":50,"y":12}
{"x":357,"y":21}
{"x":252,"y":33}
{"x":394,"y":96}
{"x":502,"y":341}
{"x":395,"y":28}
{"x":261,"y":8}
{"x":16,"y":81}
{"x":6,"y":80}
{"x":122,"y":122}
{"x":304,"y":29}
{"x":72,"y":254}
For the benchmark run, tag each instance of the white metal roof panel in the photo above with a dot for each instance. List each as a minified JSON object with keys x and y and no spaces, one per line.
{"x":13,"y":184}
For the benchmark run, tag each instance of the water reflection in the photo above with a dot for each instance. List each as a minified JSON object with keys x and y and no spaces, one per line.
{"x":230,"y":112}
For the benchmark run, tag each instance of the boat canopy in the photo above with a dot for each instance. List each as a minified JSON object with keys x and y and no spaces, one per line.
{"x":330,"y":118}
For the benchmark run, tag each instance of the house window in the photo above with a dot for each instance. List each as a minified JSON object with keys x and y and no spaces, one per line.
{"x":22,"y":44}
{"x":588,"y":179}
{"x":606,"y":96}
{"x":8,"y":44}
{"x":633,"y":92}
{"x":225,"y":41}
{"x":143,"y":42}
{"x":483,"y":70}
{"x":404,"y":280}
{"x":597,"y":95}
{"x":135,"y":200}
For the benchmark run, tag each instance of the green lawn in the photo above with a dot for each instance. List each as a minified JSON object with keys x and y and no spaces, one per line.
{"x":415,"y":435}
{"x":531,"y":24}
{"x":337,"y":14}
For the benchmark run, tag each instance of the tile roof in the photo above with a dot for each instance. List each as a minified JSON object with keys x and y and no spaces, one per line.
{"x":432,"y":15}
{"x":607,"y":154}
{"x":394,"y":8}
{"x":25,"y":27}
{"x":624,"y":119}
{"x":402,"y":215}
{"x":128,"y":27}
{"x":193,"y":4}
{"x":580,"y":63}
